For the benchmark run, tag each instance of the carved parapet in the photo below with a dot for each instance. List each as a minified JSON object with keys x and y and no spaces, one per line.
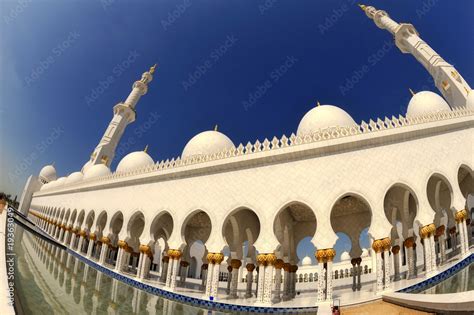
{"x":427,"y":230}
{"x":235,"y":263}
{"x":409,"y":242}
{"x":215,"y":258}
{"x":250,"y":267}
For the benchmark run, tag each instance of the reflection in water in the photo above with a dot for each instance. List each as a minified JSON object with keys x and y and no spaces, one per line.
{"x":50,"y":281}
{"x":460,"y":282}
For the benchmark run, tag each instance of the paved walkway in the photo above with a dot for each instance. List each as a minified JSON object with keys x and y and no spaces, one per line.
{"x":379,"y":307}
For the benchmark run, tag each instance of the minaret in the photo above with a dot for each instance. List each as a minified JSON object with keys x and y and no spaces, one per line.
{"x":451,"y":84}
{"x":124,"y":113}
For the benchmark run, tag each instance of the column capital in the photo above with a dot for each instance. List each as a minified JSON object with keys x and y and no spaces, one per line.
{"x":440,"y":230}
{"x":325,"y":255}
{"x":395,"y":249}
{"x":409,"y":242}
{"x":184,"y":263}
{"x":460,"y":215}
{"x":92,"y":236}
{"x":204,"y":266}
{"x":236,"y":263}
{"x":165,"y":259}
{"x":250,"y":267}
{"x":82,"y":233}
{"x":427,"y":230}
{"x":145,"y":249}
{"x":381,"y":245}
{"x":215,"y":258}
{"x":279,"y":264}
{"x":105,"y":240}
{"x":266,"y":259}
{"x":174,"y":253}
{"x":229,"y":268}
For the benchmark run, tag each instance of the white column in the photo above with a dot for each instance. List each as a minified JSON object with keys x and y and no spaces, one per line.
{"x":210,"y":269}
{"x":278,"y":267}
{"x":329,"y":281}
{"x":73,"y":241}
{"x":169,"y":272}
{"x":379,"y":271}
{"x":261,"y":283}
{"x":286,"y":282}
{"x":174,"y":275}
{"x":433,"y":253}
{"x":249,"y":277}
{"x":234,"y":282}
{"x":140,"y":264}
{"x":215,"y":281}
{"x":89,"y":249}
{"x":267,"y":293}
{"x":442,"y":248}
{"x":466,"y":236}
{"x":387,"y":268}
{"x":321,"y":287}
{"x":118,"y":263}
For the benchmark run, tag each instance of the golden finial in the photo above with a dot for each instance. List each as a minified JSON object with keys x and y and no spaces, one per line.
{"x":363,"y":7}
{"x":146,"y":149}
{"x":318,"y":103}
{"x":411,"y":91}
{"x":215,"y":128}
{"x":152,"y":69}
{"x":467,"y":90}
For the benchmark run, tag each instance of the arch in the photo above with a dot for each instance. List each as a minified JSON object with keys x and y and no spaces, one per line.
{"x":89,"y":221}
{"x":196,"y":226}
{"x":73,"y":216}
{"x":80,"y":218}
{"x":135,"y":227}
{"x":242,"y":225}
{"x":401,"y":205}
{"x":466,"y":180}
{"x":116,"y":223}
{"x":354,"y":208}
{"x":101,"y":221}
{"x":293,"y":222}
{"x":162,"y":226}
{"x":439,"y":192}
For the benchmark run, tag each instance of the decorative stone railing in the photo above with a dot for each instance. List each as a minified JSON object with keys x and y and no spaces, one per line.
{"x":279,"y":143}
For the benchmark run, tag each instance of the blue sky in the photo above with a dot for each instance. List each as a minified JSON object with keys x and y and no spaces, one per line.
{"x":65,"y":64}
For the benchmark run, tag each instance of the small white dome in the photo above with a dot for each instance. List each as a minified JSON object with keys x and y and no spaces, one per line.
{"x":322,"y":117}
{"x":425,"y":102}
{"x":345,"y":256}
{"x":207,"y":142}
{"x":48,"y":174}
{"x":74,"y":178}
{"x":86,"y":167}
{"x":306,"y":261}
{"x":470,"y":100}
{"x":134,"y":160}
{"x":96,"y":171}
{"x":60,"y":181}
{"x":365,"y":252}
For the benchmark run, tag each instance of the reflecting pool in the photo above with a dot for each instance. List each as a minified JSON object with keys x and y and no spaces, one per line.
{"x":48,"y":280}
{"x":460,"y":282}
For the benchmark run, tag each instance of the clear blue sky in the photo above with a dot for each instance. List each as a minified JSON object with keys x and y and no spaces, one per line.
{"x":55,"y":54}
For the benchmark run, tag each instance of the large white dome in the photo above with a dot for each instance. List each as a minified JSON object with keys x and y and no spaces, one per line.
{"x":48,"y":174}
{"x":96,"y":171}
{"x":426,"y":102}
{"x":345,"y":256}
{"x":86,"y":167}
{"x":207,"y":142}
{"x":322,"y":117}
{"x":134,"y":160}
{"x":307,"y":261}
{"x":60,"y":181}
{"x":74,"y":178}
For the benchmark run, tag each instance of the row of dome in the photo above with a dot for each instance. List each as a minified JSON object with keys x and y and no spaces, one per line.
{"x":213,"y":141}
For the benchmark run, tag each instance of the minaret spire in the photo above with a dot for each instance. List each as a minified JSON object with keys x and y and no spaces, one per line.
{"x":124,"y":114}
{"x":447,"y":79}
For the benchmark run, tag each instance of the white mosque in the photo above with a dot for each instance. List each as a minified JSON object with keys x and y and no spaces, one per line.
{"x":408,"y":180}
